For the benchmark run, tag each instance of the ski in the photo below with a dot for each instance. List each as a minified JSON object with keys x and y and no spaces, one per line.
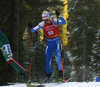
{"x":59,"y":83}
{"x":36,"y":86}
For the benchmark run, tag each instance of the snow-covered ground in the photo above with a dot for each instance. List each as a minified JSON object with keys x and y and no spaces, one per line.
{"x":67,"y":84}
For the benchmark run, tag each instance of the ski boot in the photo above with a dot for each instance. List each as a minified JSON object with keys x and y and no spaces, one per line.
{"x":25,"y":78}
{"x":48,"y":79}
{"x":60,"y":79}
{"x":29,"y":83}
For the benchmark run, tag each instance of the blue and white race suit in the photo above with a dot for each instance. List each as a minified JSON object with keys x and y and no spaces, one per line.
{"x":52,"y":44}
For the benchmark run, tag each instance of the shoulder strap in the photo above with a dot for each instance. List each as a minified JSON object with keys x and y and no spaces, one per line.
{"x":53,"y":22}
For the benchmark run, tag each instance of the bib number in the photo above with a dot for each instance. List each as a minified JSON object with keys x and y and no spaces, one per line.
{"x":50,"y":32}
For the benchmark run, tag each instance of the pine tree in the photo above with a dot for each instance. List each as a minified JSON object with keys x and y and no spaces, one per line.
{"x":83,"y":29}
{"x":95,"y":59}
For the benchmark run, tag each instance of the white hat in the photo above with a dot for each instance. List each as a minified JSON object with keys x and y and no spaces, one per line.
{"x":45,"y":15}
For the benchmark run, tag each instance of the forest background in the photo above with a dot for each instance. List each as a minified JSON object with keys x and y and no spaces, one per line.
{"x":80,"y":37}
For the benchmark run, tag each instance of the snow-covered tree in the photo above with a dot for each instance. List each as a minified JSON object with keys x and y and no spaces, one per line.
{"x":83,"y":26}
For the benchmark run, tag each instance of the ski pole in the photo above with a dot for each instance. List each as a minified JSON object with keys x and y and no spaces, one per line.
{"x":30,"y":54}
{"x":61,"y":54}
{"x":62,"y":63}
{"x":12,"y":59}
{"x":62,"y":69}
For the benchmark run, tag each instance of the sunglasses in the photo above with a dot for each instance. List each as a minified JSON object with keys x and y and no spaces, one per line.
{"x":46,"y":20}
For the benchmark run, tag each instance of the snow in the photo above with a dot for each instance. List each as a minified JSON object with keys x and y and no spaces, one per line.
{"x":66,"y":84}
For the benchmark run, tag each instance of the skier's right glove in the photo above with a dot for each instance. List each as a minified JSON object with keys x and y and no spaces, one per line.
{"x":30,"y":25}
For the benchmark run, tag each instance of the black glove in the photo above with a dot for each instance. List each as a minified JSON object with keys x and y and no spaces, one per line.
{"x":57,"y":13}
{"x":30,"y":25}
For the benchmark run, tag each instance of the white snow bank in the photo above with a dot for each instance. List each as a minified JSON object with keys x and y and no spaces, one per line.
{"x":67,"y":84}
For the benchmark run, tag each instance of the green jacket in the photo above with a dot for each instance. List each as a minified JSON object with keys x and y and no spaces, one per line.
{"x":3,"y":39}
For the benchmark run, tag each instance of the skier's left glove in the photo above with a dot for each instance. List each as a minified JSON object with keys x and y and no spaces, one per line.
{"x":0,"y":32}
{"x":10,"y":61}
{"x":30,"y":25}
{"x":57,"y":13}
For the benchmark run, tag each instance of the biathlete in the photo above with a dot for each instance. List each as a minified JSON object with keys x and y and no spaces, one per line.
{"x":7,"y":53}
{"x":51,"y":30}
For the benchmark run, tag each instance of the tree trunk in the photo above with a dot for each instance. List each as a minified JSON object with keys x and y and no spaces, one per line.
{"x":84,"y":45}
{"x":15,"y":32}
